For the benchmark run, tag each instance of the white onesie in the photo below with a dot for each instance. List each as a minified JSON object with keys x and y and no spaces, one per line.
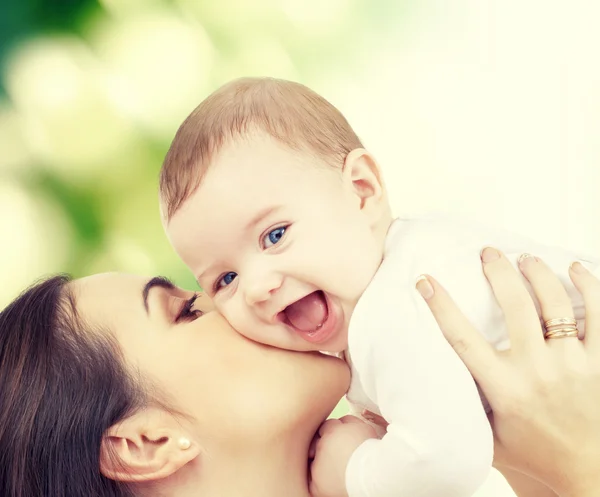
{"x":439,"y":442}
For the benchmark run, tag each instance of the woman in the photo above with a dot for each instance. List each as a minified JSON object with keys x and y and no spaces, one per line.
{"x":545,"y":394}
{"x":116,"y":386}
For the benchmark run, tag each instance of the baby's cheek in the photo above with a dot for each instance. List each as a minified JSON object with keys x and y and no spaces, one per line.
{"x":242,"y":322}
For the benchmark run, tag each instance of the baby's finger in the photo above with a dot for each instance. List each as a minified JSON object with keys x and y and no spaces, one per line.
{"x":349,"y":419}
{"x":474,"y":351}
{"x":328,"y":426}
{"x":521,"y":317}
{"x":589,"y":287}
{"x":312,"y":449}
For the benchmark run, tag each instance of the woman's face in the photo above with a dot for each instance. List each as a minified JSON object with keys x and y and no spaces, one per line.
{"x":228,"y":384}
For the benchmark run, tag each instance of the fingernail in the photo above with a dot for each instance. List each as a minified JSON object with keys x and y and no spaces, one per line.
{"x":524,"y":259}
{"x":578,"y":268}
{"x":489,"y":254}
{"x":424,"y":287}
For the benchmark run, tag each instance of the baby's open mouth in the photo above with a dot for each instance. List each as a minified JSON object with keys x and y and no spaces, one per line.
{"x":309,"y":313}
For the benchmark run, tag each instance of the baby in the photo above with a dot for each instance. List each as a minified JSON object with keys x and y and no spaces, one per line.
{"x":270,"y":199}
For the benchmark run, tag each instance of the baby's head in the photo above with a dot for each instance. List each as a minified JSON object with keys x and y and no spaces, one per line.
{"x":272,"y":202}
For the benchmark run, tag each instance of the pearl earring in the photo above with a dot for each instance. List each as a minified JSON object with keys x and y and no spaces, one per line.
{"x":184,"y":443}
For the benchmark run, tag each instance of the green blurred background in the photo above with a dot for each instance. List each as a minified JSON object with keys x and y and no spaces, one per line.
{"x":480,"y":108}
{"x":92,"y":92}
{"x":491,"y":108}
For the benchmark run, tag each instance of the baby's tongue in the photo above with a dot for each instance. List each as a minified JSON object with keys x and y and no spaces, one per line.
{"x":308,"y":313}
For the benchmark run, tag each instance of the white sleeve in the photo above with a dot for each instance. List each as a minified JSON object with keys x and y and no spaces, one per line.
{"x":439,"y":440}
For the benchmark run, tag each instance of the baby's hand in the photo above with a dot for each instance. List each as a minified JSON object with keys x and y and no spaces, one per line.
{"x":333,"y":445}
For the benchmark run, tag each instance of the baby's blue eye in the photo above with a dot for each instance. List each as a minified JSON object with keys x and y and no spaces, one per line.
{"x":274,"y":236}
{"x":227,"y":279}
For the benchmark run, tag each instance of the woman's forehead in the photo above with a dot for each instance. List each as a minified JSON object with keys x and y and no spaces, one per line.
{"x":106,"y":283}
{"x":102,"y":296}
{"x":114,"y":295}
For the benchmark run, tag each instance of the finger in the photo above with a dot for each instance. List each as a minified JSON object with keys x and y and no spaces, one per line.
{"x":474,"y":351}
{"x":328,"y":426}
{"x":589,"y":287}
{"x":521,"y":317}
{"x":551,"y":295}
{"x":312,"y":449}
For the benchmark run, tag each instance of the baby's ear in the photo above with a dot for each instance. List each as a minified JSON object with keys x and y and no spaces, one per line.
{"x":147,"y":446}
{"x":362,"y":174}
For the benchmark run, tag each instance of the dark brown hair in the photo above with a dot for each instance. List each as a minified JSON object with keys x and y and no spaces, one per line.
{"x":61,"y":387}
{"x":289,"y":112}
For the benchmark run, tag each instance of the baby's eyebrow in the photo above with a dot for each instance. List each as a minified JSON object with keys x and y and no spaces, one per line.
{"x":261,"y":215}
{"x":157,"y":281}
{"x":200,"y":276}
{"x":209,"y":270}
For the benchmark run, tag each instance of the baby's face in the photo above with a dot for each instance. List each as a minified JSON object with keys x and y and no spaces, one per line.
{"x":278,"y":240}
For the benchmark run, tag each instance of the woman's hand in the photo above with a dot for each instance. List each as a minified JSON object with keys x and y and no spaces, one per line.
{"x":545,"y":394}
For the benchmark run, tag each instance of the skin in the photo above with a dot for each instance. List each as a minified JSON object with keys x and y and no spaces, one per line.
{"x":270,"y":272}
{"x":242,"y":403}
{"x":275,"y":203}
{"x":287,"y":225}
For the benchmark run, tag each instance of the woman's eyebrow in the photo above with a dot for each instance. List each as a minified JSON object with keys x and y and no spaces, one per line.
{"x":157,"y":281}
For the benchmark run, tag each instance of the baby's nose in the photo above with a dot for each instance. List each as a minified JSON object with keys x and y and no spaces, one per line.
{"x":262,"y":289}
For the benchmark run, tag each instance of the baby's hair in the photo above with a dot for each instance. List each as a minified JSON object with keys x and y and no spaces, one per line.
{"x":289,"y":112}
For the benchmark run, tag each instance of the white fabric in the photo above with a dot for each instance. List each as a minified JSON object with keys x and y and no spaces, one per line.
{"x":439,"y":441}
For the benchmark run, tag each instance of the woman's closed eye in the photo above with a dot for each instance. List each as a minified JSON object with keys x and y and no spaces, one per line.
{"x":187,"y":311}
{"x":274,"y":236}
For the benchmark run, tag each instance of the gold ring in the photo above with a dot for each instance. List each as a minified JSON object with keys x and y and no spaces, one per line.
{"x":550,"y":323}
{"x":563,"y":333}
{"x":560,"y":328}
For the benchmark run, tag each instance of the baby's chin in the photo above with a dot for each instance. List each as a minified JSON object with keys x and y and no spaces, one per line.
{"x":334,"y":347}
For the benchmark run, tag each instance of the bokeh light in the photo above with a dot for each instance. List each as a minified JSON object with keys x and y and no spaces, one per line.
{"x":13,"y":143}
{"x":56,"y":86}
{"x":160,"y":65}
{"x":36,"y":240}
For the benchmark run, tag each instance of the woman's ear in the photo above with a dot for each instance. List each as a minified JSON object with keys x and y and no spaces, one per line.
{"x":362,"y":174}
{"x":149,"y":445}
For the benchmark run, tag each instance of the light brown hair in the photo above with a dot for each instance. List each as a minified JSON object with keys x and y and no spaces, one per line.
{"x":289,"y":112}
